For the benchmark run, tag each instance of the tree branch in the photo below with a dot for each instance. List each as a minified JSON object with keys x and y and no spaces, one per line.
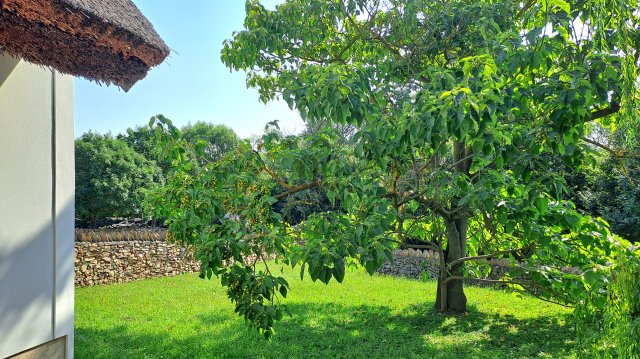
{"x":386,"y":44}
{"x":296,"y":189}
{"x":475,"y":258}
{"x":614,"y":107}
{"x":277,"y":178}
{"x":522,"y":284}
{"x":531,"y":292}
{"x":494,"y":281}
{"x":526,"y":7}
{"x":614,"y":152}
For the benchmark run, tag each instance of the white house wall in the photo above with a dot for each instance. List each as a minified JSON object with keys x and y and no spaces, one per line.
{"x":36,"y":206}
{"x":65,"y":208}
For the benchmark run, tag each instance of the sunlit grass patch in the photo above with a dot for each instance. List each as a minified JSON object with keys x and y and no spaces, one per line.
{"x":365,"y":317}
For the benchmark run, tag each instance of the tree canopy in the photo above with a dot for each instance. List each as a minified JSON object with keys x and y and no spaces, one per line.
{"x":110,"y":178}
{"x":460,"y":109}
{"x":217,"y":139}
{"x":113,"y":173}
{"x":142,"y":140}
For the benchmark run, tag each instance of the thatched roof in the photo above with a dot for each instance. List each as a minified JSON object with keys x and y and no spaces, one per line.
{"x":108,"y":41}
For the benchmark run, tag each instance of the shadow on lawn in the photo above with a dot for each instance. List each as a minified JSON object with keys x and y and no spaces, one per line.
{"x":336,"y":331}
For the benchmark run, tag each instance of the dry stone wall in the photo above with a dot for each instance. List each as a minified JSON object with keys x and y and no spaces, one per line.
{"x":411,"y":263}
{"x":108,"y":256}
{"x":116,"y":256}
{"x":407,"y":263}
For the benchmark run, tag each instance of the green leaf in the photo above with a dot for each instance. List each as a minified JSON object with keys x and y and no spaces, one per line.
{"x":541,"y":204}
{"x":561,"y":4}
{"x":302,"y":269}
{"x":499,"y":161}
{"x":572,"y":220}
{"x":339,"y":270}
{"x":283,"y":291}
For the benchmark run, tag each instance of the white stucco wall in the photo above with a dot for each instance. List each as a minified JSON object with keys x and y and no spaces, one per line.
{"x":36,"y":206}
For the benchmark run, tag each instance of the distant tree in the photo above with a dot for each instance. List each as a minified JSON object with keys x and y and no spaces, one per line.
{"x":110,"y":178}
{"x":216,"y":139}
{"x":142,"y":140}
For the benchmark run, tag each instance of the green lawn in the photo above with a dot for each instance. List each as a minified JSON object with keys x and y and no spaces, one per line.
{"x":365,"y":317}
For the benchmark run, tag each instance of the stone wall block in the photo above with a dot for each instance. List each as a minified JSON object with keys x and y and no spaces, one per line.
{"x":102,"y":257}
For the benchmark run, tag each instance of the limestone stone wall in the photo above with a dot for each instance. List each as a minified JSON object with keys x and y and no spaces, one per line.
{"x":412,"y":263}
{"x":121,"y":255}
{"x":407,"y":263}
{"x":135,"y":255}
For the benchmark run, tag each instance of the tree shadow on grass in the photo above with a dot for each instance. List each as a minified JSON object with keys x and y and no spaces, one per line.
{"x":339,"y":331}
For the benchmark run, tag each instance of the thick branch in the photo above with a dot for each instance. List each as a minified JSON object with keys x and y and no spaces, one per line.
{"x":494,"y":281}
{"x":277,"y":178}
{"x":475,"y":258}
{"x":614,"y":107}
{"x":296,"y":189}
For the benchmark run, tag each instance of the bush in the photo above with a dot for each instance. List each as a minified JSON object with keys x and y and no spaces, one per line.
{"x":613,"y":330}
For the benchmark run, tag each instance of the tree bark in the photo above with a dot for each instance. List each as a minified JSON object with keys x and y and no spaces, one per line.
{"x":450,"y":295}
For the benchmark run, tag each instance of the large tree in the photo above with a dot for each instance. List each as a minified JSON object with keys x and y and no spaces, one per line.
{"x":142,"y":140}
{"x":216,"y":140}
{"x":110,"y":178}
{"x":460,"y":108}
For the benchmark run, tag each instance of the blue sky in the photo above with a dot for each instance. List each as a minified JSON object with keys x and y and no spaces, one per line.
{"x":192,"y":84}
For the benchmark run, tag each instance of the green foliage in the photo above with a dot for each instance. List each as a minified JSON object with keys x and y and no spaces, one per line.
{"x":458,"y":108}
{"x":298,"y":207}
{"x":217,"y":139}
{"x":613,"y":331}
{"x":225,"y":210}
{"x":611,"y":190}
{"x":142,"y":140}
{"x":112,"y":173}
{"x":184,"y":317}
{"x":110,"y":178}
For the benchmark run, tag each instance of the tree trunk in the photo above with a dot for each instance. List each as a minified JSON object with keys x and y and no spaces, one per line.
{"x":450,"y":295}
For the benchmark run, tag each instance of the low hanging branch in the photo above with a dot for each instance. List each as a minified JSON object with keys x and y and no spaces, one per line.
{"x":486,"y":256}
{"x":526,"y":286}
{"x":423,"y":246}
{"x":494,"y":281}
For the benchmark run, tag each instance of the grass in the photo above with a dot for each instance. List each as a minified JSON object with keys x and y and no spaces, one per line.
{"x":365,"y":317}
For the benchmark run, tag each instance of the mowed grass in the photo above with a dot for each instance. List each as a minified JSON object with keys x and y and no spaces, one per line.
{"x":365,"y":317}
